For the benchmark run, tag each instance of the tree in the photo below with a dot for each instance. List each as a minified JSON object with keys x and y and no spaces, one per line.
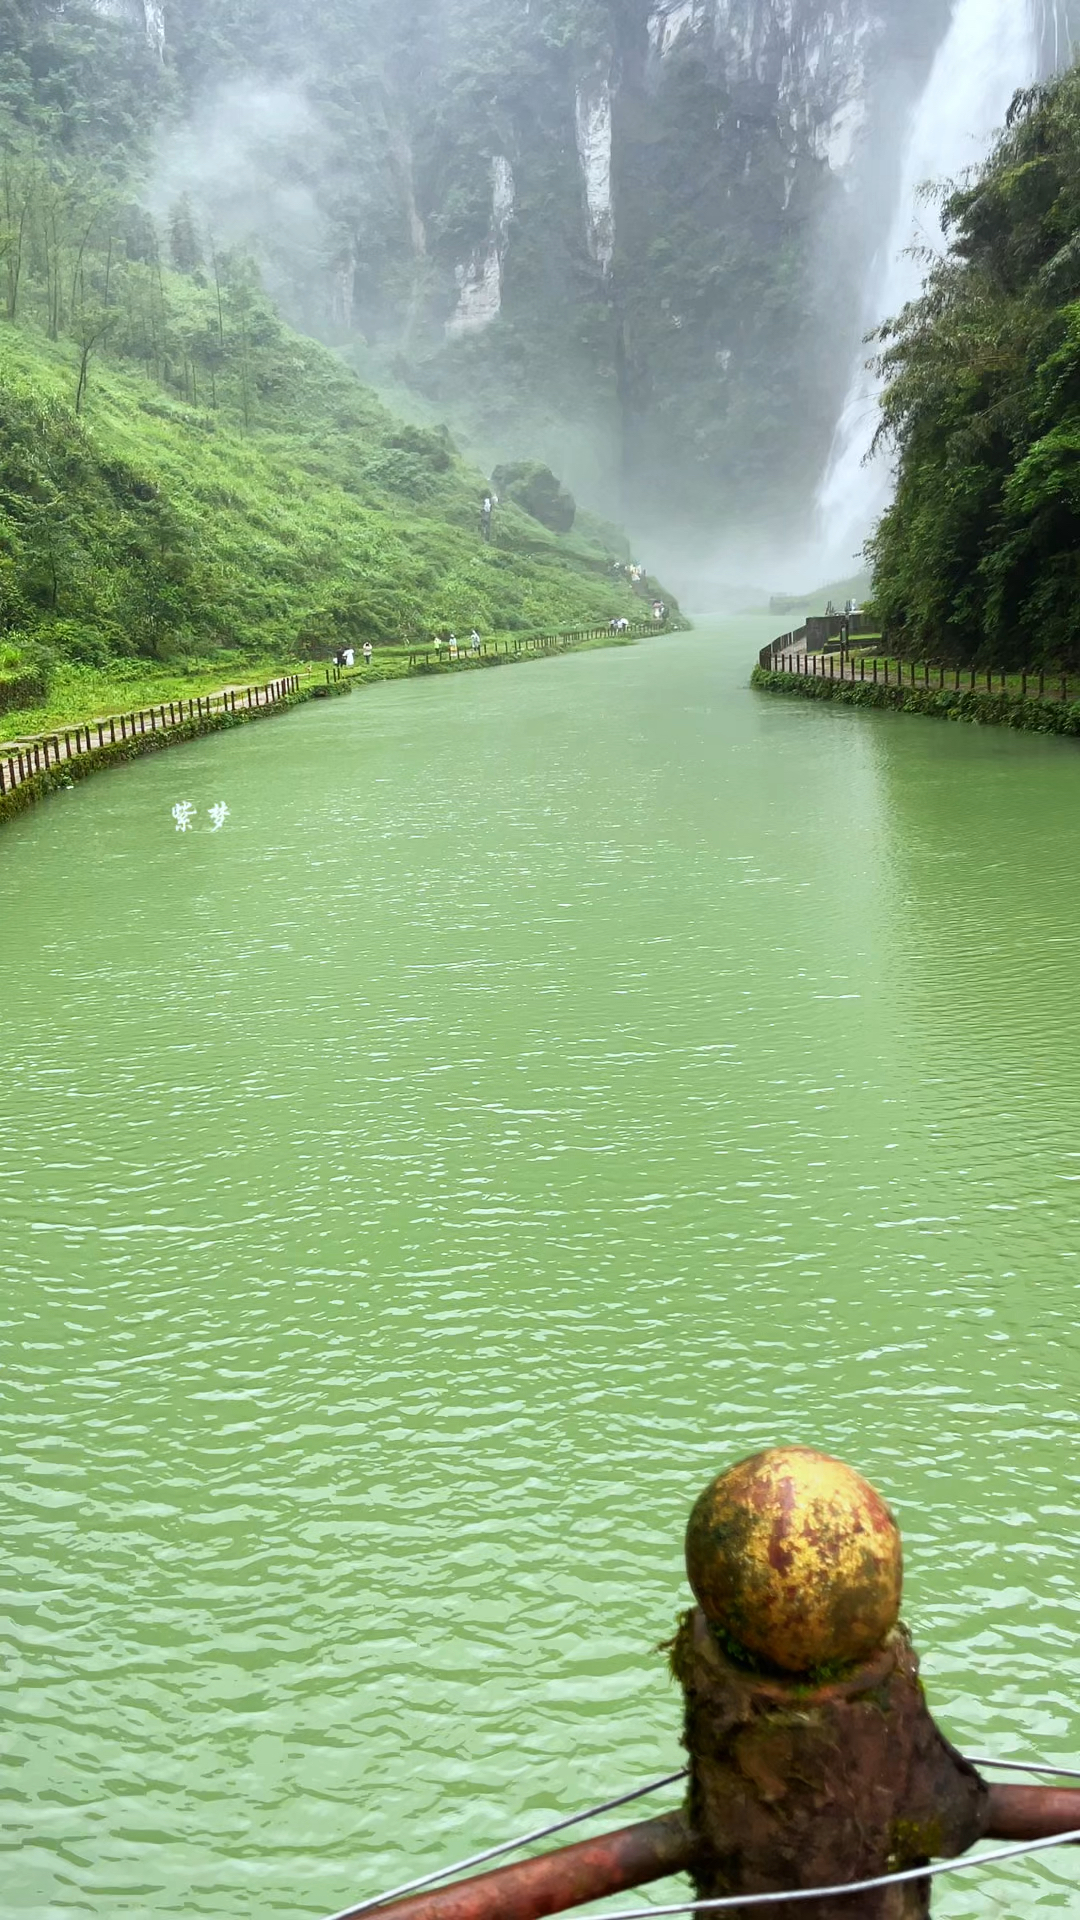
{"x":185,"y":248}
{"x":535,"y":488}
{"x":977,"y":559}
{"x":91,"y":329}
{"x":18,"y":181}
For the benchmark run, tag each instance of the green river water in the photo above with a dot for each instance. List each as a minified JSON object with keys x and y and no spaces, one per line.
{"x":548,"y":1086}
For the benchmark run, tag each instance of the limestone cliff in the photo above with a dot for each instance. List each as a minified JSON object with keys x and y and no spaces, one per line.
{"x":628,"y":237}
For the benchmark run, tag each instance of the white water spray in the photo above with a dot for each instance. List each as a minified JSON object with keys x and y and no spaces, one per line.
{"x":992,"y":47}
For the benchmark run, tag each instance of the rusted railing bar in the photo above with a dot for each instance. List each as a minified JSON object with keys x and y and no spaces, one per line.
{"x":570,"y":1877}
{"x":1032,"y":1813}
{"x":847,"y":1889}
{"x":652,"y":1849}
{"x":518,"y":1844}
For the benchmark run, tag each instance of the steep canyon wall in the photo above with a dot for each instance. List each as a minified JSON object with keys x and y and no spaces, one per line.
{"x":635,"y":238}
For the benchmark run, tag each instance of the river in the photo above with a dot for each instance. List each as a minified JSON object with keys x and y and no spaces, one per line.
{"x":549,"y":1085}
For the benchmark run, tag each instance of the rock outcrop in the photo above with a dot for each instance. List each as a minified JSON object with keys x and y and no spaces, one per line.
{"x":632,"y":237}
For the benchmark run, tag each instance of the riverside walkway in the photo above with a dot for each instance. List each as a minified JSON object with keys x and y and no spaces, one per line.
{"x":96,"y":742}
{"x":22,"y":760}
{"x":860,"y":665}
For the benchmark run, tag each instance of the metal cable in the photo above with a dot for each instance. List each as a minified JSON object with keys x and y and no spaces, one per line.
{"x":508,"y":1846}
{"x":740,"y":1900}
{"x":1021,"y":1766}
{"x":669,"y":1779}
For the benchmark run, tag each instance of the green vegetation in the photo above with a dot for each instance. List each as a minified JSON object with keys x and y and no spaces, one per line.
{"x":188,"y":487}
{"x":856,"y":587}
{"x":74,"y":693}
{"x":55,"y":779}
{"x":154,"y":529}
{"x":151,"y":529}
{"x":978,"y":560}
{"x":1002,"y":709}
{"x":535,"y":489}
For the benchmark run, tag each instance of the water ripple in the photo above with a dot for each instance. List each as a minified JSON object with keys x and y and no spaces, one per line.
{"x":549,"y":1087}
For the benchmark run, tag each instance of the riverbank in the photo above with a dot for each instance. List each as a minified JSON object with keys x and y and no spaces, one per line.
{"x":1024,"y":713}
{"x":78,"y":696}
{"x":34,"y":767}
{"x":60,"y":774}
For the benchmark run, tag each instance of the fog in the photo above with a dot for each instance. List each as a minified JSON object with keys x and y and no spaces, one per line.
{"x":251,"y":159}
{"x":643,"y":251}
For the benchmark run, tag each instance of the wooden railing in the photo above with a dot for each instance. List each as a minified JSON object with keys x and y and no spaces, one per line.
{"x":24,"y":760}
{"x":430,"y":655}
{"x":882,"y":671}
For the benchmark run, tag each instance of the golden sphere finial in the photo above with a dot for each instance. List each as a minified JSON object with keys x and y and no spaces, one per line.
{"x":796,"y":1559}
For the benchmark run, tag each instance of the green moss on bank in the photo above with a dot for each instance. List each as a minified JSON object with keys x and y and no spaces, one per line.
{"x":985,"y":709}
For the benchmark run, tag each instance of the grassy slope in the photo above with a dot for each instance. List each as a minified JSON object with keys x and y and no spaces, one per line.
{"x":152,"y":543}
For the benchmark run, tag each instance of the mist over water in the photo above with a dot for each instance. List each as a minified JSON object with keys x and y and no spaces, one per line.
{"x":992,"y":48}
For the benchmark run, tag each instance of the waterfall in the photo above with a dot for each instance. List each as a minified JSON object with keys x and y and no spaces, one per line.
{"x":991,"y":48}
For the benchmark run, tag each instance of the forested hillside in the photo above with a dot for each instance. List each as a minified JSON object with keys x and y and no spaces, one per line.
{"x":625,"y":237}
{"x":180,"y":472}
{"x":979,"y":558}
{"x":634,"y":239}
{"x":610,"y":234}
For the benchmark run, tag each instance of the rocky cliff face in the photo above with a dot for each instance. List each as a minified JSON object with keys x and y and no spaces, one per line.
{"x":628,"y":237}
{"x":144,"y":16}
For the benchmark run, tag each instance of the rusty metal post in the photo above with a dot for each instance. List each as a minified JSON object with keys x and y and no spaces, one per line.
{"x":813,"y":1756}
{"x":814,"y":1760}
{"x":795,"y":1785}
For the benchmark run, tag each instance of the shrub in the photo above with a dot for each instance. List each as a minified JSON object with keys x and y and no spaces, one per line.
{"x":535,"y":489}
{"x":21,"y":690}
